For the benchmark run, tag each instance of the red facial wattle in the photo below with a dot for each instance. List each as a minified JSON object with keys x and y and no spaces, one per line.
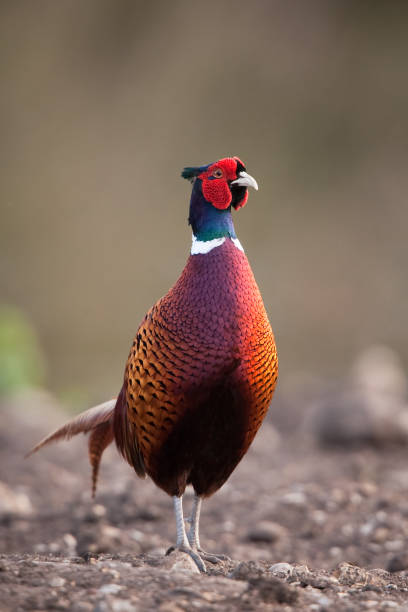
{"x":217,"y":192}
{"x":216,"y":183}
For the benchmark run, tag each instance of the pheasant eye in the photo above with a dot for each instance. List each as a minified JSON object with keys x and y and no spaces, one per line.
{"x":217,"y":173}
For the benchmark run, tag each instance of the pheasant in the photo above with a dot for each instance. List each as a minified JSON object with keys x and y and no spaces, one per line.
{"x":202,"y":368}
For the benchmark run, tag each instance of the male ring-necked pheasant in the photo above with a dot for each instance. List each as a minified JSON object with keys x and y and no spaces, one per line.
{"x":202,"y":368}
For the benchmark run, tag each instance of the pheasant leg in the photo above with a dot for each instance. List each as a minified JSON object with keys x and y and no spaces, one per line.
{"x":182,"y":542}
{"x":194,"y":536}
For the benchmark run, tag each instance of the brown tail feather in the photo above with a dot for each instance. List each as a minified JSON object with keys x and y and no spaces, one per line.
{"x":97,"y":420}
{"x":99,"y":439}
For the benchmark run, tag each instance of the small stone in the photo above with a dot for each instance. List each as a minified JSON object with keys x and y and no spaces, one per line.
{"x":321,"y":601}
{"x":347,"y":530}
{"x":57,"y":582}
{"x":349,"y":574}
{"x":381,"y":534}
{"x":246,"y":570}
{"x":395,"y":545}
{"x":228,"y":526}
{"x":170,"y":606}
{"x":356,"y":498}
{"x":40,"y":548}
{"x":324,"y":601}
{"x":367,"y":528}
{"x":368,"y":488}
{"x":70,"y":542}
{"x":319,"y":517}
{"x":137,"y":535}
{"x":389,"y":604}
{"x":98,"y":510}
{"x":281,"y":570}
{"x":14,"y":502}
{"x":397,"y":563}
{"x":111,"y":533}
{"x":102,"y":606}
{"x":113,"y":574}
{"x":110,"y":589}
{"x":178,"y":561}
{"x":294,"y":498}
{"x":317,"y":580}
{"x":122,"y":605}
{"x":267,"y":531}
{"x":381,"y":516}
{"x":301,"y":572}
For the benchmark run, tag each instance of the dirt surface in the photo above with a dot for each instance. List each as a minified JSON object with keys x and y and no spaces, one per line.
{"x":306,"y":528}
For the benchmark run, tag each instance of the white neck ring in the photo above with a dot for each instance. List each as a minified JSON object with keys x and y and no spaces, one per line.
{"x":201,"y":247}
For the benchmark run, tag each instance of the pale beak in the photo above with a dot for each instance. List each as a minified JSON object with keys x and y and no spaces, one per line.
{"x":245,"y":180}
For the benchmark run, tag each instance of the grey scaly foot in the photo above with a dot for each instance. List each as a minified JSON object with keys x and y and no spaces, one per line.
{"x":211,"y":558}
{"x":195,"y":556}
{"x":193,"y":534}
{"x":183,"y":543}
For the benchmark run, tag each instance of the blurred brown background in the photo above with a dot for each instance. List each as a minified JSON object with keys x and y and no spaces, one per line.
{"x":102,"y":104}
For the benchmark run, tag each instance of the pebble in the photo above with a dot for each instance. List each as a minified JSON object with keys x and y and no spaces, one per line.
{"x":398,"y":562}
{"x":98,"y":510}
{"x":267,"y":531}
{"x":229,"y":526}
{"x":381,"y":516}
{"x":368,"y":488}
{"x":110,"y":589}
{"x":315,"y":580}
{"x":14,"y":502}
{"x":294,"y":498}
{"x":70,"y":542}
{"x":321,"y":602}
{"x":319,"y":517}
{"x":367,"y":528}
{"x":114,"y":574}
{"x":395,"y":545}
{"x":137,"y":535}
{"x":111,"y":533}
{"x":57,"y":581}
{"x":281,"y":570}
{"x":356,"y":498}
{"x":347,"y":530}
{"x":301,"y":571}
{"x":350,"y":574}
{"x":102,"y":606}
{"x":122,"y":605}
{"x":381,"y":534}
{"x":246,"y":570}
{"x":178,"y":561}
{"x":170,"y":606}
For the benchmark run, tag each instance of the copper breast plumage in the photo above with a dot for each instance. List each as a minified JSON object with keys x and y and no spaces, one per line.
{"x":200,"y":376}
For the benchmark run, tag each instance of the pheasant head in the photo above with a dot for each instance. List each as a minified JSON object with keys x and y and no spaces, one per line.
{"x":216,"y":188}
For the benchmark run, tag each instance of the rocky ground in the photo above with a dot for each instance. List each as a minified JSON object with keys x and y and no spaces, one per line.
{"x":307,"y":525}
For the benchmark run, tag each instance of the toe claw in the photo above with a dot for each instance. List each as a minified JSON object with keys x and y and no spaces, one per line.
{"x":196,"y":557}
{"x":214,"y":559}
{"x":193,"y":554}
